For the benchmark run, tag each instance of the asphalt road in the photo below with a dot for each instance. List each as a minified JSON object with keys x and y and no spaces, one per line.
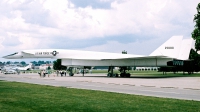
{"x":187,"y":88}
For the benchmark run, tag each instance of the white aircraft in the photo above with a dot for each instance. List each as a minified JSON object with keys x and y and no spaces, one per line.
{"x":10,"y":66}
{"x":175,"y":49}
{"x":10,"y":71}
{"x":28,"y":67}
{"x":14,"y":67}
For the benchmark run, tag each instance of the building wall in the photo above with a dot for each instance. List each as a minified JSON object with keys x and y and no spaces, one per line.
{"x":45,"y":66}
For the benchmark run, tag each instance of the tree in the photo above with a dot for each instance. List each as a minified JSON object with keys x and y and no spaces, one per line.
{"x":23,"y":63}
{"x":34,"y":62}
{"x":16,"y":62}
{"x":196,"y":58}
{"x":48,"y":62}
{"x":57,"y":65}
{"x":196,"y":36}
{"x":196,"y":32}
{"x":48,"y":68}
{"x":41,"y":62}
{"x":8,"y":62}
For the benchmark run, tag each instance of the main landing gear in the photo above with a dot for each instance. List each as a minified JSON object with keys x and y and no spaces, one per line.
{"x":122,"y":74}
{"x":110,"y":72}
{"x":71,"y":71}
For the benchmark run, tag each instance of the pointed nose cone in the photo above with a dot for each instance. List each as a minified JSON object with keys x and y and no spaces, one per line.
{"x":12,"y":56}
{"x":5,"y":57}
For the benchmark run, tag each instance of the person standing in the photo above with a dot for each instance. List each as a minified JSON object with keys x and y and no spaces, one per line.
{"x":61,"y":73}
{"x":42,"y":73}
{"x":18,"y":72}
{"x":49,"y":72}
{"x":39,"y":73}
{"x":65,"y":73}
{"x":57,"y":72}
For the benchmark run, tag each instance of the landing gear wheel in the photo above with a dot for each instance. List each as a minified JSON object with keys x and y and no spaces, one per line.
{"x":114,"y":75}
{"x":117,"y":75}
{"x":109,"y":75}
{"x":122,"y":75}
{"x":128,"y":75}
{"x":71,"y":74}
{"x":125,"y":75}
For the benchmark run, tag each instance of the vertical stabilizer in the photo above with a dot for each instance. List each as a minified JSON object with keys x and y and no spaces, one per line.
{"x":186,"y":46}
{"x":28,"y":67}
{"x":170,"y":48}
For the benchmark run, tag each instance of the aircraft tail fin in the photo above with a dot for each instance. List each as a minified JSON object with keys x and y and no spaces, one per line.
{"x":176,"y":47}
{"x":29,"y":66}
{"x":186,"y":46}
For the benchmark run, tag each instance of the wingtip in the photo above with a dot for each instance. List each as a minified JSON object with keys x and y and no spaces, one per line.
{"x":4,"y":57}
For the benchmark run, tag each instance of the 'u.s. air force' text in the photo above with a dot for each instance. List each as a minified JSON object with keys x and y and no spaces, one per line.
{"x":43,"y":53}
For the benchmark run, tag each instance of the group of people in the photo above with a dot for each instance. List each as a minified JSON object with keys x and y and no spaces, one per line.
{"x":43,"y":73}
{"x":61,"y":72}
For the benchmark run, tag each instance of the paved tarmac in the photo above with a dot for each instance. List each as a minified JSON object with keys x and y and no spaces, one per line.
{"x":187,"y":88}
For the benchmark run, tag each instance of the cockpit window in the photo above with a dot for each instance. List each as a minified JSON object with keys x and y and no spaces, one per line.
{"x":13,"y":54}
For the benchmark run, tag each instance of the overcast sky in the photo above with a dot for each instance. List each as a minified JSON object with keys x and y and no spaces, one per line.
{"x":137,"y":26}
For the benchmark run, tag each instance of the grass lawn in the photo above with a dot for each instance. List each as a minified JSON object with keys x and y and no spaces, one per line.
{"x":22,"y":97}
